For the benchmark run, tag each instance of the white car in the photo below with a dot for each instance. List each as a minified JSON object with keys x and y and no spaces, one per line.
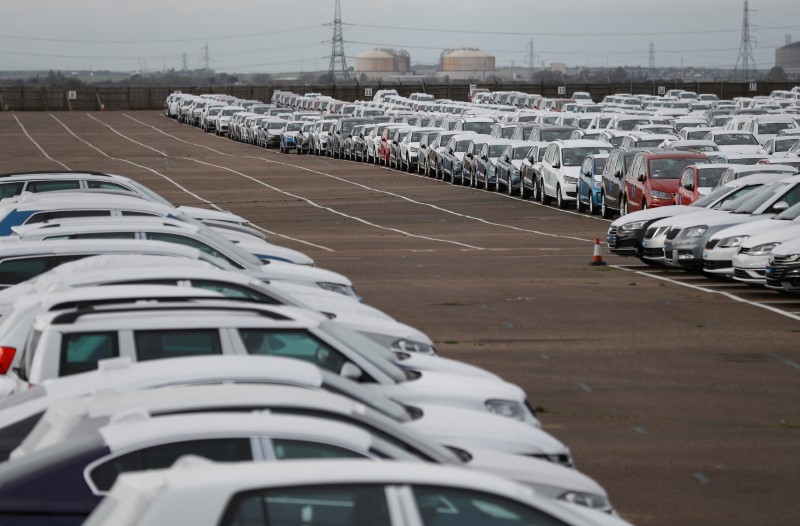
{"x":734,"y":141}
{"x":750,"y":263}
{"x":224,"y":119}
{"x":766,"y":127}
{"x":359,"y":492}
{"x":560,"y":168}
{"x":145,"y":332}
{"x":402,"y":439}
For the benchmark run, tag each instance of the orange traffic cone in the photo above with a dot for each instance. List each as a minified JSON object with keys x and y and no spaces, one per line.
{"x":597,"y":258}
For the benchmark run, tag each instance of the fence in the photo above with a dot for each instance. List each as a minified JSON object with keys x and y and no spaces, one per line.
{"x":152,"y":98}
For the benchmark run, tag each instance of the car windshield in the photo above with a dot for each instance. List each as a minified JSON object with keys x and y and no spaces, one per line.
{"x":575,"y":156}
{"x":275,"y":125}
{"x":772,"y":128}
{"x":784,"y":146}
{"x":228,"y":112}
{"x":328,"y":126}
{"x":670,"y":168}
{"x":151,"y":195}
{"x":600,"y":164}
{"x":709,"y":177}
{"x":702,"y":148}
{"x":648,"y":143}
{"x":496,"y":150}
{"x":555,"y":135}
{"x":461,"y":146}
{"x":629,"y":124}
{"x":377,"y":355}
{"x":478,"y":127}
{"x":747,"y":205}
{"x":520,"y":152}
{"x":294,"y":126}
{"x":735,"y":139}
{"x":417,"y":136}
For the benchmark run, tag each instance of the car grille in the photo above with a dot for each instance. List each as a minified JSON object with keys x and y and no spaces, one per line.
{"x":611,"y":238}
{"x":739,"y":273}
{"x":654,"y":252}
{"x":716,"y":265}
{"x":673,"y":233}
{"x":712,"y":243}
{"x":776,"y":273}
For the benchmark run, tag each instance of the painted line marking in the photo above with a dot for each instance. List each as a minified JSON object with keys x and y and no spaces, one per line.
{"x":784,"y":361}
{"x":584,"y":387}
{"x":711,"y":291}
{"x":327,"y":249}
{"x":701,"y":478}
{"x":368,"y":188}
{"x":545,"y":356}
{"x":640,"y":430}
{"x":38,"y":146}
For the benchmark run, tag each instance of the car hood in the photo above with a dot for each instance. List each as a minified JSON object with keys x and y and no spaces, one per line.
{"x":459,"y":156}
{"x":751,"y":228}
{"x":665,"y":185}
{"x":548,"y":478}
{"x":467,"y":428}
{"x":774,"y":234}
{"x":517,"y":163}
{"x":654,"y":214}
{"x":740,"y":148}
{"x":265,"y":250}
{"x":290,"y":133}
{"x":276,"y":270}
{"x":572,"y":171}
{"x":685,"y":220}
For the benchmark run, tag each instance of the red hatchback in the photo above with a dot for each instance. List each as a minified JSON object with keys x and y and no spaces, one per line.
{"x":697,"y":180}
{"x":652,"y":180}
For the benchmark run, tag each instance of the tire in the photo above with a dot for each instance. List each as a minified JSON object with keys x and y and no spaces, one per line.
{"x":604,"y":210}
{"x":580,"y":206}
{"x":524,"y":192}
{"x":592,"y":208}
{"x":510,"y":188}
{"x":543,"y":197}
{"x":623,"y":209}
{"x":560,"y":203}
{"x":644,"y":205}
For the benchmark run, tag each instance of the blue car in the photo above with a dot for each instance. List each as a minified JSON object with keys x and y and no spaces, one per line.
{"x":590,"y":183}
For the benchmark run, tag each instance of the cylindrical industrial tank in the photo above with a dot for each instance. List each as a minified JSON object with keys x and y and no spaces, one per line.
{"x":467,"y":60}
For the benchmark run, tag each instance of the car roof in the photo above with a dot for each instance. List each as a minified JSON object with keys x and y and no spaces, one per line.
{"x":139,"y":429}
{"x":11,"y":248}
{"x":106,"y":224}
{"x":71,"y":199}
{"x":576,"y":143}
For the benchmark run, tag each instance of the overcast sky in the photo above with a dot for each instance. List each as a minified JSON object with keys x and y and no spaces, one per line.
{"x":268,"y":36}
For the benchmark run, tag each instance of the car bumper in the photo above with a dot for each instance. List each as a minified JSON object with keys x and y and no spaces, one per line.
{"x":783,"y":277}
{"x":683,"y":255}
{"x":625,"y":243}
{"x":750,"y":269}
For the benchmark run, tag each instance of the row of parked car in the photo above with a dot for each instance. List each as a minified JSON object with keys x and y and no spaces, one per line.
{"x":153,"y":356}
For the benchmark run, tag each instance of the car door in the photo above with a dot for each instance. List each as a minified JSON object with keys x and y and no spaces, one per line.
{"x":613,"y":191}
{"x":635,"y":184}
{"x":549,"y":177}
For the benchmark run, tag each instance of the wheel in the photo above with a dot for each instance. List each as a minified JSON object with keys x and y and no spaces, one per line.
{"x":623,"y":211}
{"x":604,"y":210}
{"x":580,"y":206}
{"x":510,"y":188}
{"x":524,"y":192}
{"x":544,"y":198}
{"x":592,"y":207}
{"x":644,"y":205}
{"x":562,"y":205}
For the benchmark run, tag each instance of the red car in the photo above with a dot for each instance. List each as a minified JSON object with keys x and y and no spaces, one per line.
{"x":652,"y":180}
{"x":697,"y":180}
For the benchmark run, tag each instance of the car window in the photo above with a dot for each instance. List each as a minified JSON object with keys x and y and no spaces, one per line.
{"x":13,"y":271}
{"x":80,"y":352}
{"x":41,"y":217}
{"x":299,"y":449}
{"x":230,"y":290}
{"x":187,"y":241}
{"x":136,"y":213}
{"x":299,"y":344}
{"x":159,"y":344}
{"x":164,"y":455}
{"x":51,"y":186}
{"x":98,"y":235}
{"x":10,"y":189}
{"x":455,"y":507}
{"x":333,"y":505}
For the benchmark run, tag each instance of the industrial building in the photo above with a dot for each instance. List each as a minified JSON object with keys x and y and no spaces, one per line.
{"x":383,"y":63}
{"x":468,"y":63}
{"x":788,"y":57}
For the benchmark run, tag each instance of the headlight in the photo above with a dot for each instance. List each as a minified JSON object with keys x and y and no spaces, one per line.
{"x":338,"y":288}
{"x":655,"y":194}
{"x":791,"y":259}
{"x":595,"y":502}
{"x":412,"y":346}
{"x":507,"y":408}
{"x":762,"y":250}
{"x":694,"y":232}
{"x":598,"y":185}
{"x":636,"y":225}
{"x":731,"y":242}
{"x":570,"y":180}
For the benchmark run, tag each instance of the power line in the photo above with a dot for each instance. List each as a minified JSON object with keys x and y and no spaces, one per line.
{"x":570,"y":35}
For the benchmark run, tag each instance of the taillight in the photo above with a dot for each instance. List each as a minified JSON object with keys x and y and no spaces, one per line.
{"x":6,"y":358}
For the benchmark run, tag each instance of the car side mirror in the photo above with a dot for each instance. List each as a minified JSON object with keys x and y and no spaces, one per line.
{"x":351,"y":371}
{"x":530,"y":159}
{"x":556,"y":164}
{"x":689,"y":186}
{"x":780,"y":206}
{"x":641,"y":178}
{"x":618,"y":174}
{"x":6,"y":358}
{"x":483,"y":157}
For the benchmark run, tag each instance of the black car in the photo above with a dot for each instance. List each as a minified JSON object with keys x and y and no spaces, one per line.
{"x":614,"y":179}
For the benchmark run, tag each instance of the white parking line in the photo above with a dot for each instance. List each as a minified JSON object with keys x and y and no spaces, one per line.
{"x":38,"y":146}
{"x":327,"y":249}
{"x":711,"y":291}
{"x":784,"y":361}
{"x":371,"y":189}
